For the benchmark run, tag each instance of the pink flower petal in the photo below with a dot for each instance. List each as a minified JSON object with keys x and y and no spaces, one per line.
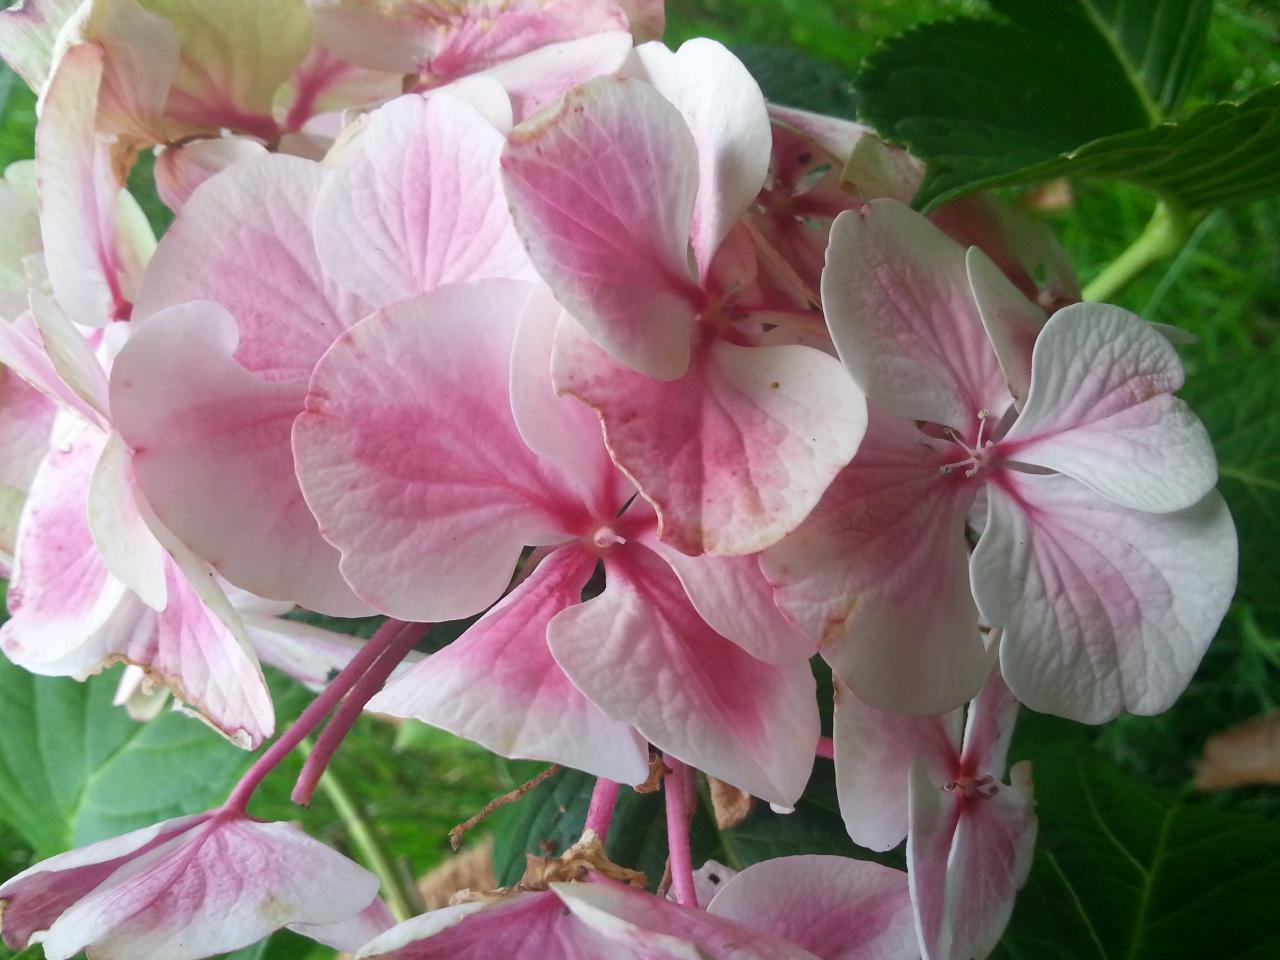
{"x":181,"y":169}
{"x":804,"y":194}
{"x":1101,"y":410}
{"x":417,"y":202}
{"x":834,"y":907}
{"x":602,"y":191}
{"x":410,"y":458}
{"x":734,"y":454}
{"x":875,"y":751}
{"x":1103,"y":609}
{"x":223,"y":885}
{"x":35,"y":898}
{"x":889,"y":531}
{"x":835,"y":135}
{"x":725,"y":110}
{"x":26,"y":425}
{"x":732,"y":595}
{"x":23,"y":351}
{"x":128,"y":547}
{"x":445,"y":41}
{"x":989,"y":728}
{"x":61,"y":592}
{"x":900,"y":311}
{"x":522,"y":924}
{"x":349,"y":936}
{"x":1011,"y":320}
{"x":211,"y":452}
{"x":244,"y":240}
{"x":1023,"y":247}
{"x":78,"y":193}
{"x":640,"y":926}
{"x":642,"y":653}
{"x":537,"y":79}
{"x":560,"y":430}
{"x":70,"y":354}
{"x":189,"y":650}
{"x":990,"y":859}
{"x":933,"y":821}
{"x":498,"y":684}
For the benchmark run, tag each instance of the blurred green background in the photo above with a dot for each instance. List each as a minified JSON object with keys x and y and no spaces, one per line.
{"x":414,"y":784}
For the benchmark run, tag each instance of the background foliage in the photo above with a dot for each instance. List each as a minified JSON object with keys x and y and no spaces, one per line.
{"x":1132,"y":863}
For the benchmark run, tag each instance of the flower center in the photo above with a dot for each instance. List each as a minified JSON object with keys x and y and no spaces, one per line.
{"x":981,"y":788}
{"x":978,"y":456}
{"x":606,"y":537}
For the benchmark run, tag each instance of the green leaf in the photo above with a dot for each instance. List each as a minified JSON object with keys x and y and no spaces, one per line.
{"x":991,"y":102}
{"x":796,"y":79}
{"x":1124,"y":873}
{"x":17,"y":118}
{"x":1219,"y":155}
{"x":74,"y":769}
{"x":1240,"y":404}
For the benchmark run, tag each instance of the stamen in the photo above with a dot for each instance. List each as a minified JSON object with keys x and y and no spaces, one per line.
{"x":605,"y":537}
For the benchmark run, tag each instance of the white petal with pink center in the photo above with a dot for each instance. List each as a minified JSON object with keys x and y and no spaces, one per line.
{"x":889,"y":532}
{"x":834,"y":907}
{"x":417,"y":202}
{"x":1103,"y":608}
{"x":902,"y":316}
{"x":1100,"y":409}
{"x":725,"y":110}
{"x":504,"y":659}
{"x":613,"y":249}
{"x":222,"y":883}
{"x":642,"y":653}
{"x":749,"y":437}
{"x":409,"y":455}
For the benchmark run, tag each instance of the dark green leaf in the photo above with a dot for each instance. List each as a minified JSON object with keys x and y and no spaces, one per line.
{"x":1157,"y":43}
{"x":1222,"y":154}
{"x":74,"y":769}
{"x":984,"y":102}
{"x":814,"y":827}
{"x":1123,"y":873}
{"x":795,"y":79}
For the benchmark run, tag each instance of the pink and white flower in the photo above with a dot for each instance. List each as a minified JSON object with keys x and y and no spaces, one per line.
{"x":794,"y":908}
{"x":187,"y":888}
{"x":970,"y":835}
{"x":433,"y":451}
{"x":731,"y":439}
{"x":1097,"y":482}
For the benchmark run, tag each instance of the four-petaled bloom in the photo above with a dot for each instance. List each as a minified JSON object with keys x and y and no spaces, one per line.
{"x":189,"y":888}
{"x":969,"y":834}
{"x":792,"y":908}
{"x":433,"y":450}
{"x":1105,"y":560}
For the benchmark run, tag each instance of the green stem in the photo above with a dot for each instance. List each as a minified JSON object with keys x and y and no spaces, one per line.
{"x":1164,"y":235}
{"x":366,"y":842}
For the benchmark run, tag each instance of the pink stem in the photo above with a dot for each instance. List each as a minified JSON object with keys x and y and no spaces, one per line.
{"x":348,"y":713}
{"x":238,"y":799}
{"x":678,"y":833}
{"x":826,"y":748}
{"x":600,"y":814}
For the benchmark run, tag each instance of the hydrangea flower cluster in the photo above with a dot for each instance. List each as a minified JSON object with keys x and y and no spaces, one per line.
{"x":504,"y":309}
